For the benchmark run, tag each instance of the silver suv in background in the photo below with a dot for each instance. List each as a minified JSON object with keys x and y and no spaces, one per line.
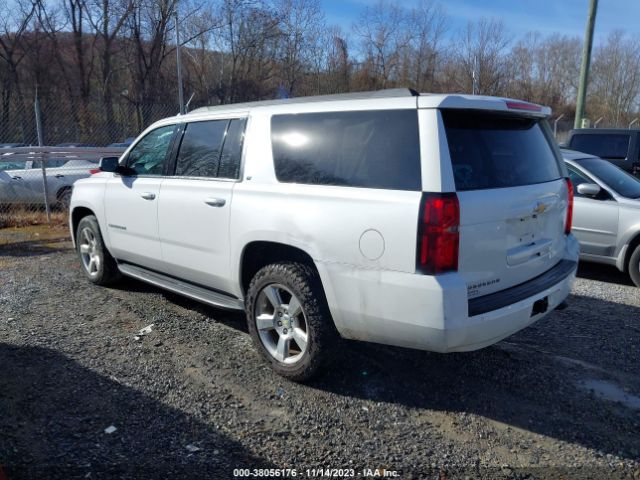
{"x":21,"y":174}
{"x":606,"y":217}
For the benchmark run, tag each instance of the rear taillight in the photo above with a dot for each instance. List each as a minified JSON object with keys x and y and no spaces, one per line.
{"x":569,"y":220}
{"x":94,"y":171}
{"x":438,"y":233}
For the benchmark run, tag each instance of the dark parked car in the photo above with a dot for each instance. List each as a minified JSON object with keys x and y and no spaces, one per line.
{"x":619,"y":146}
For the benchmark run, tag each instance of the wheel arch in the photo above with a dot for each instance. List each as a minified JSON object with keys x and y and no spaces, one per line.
{"x":259,"y":253}
{"x":62,"y":190}
{"x":633,"y":243}
{"x":77,"y":214}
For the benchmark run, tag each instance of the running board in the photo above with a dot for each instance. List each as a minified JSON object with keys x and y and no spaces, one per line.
{"x":201,"y":294}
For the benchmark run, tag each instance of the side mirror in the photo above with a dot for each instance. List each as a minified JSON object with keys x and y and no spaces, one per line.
{"x":108,"y":164}
{"x":589,"y":189}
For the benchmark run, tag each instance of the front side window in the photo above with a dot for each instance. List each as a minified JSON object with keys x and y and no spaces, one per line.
{"x":368,"y":149}
{"x":622,"y":182}
{"x":148,"y":155}
{"x":576,"y":179}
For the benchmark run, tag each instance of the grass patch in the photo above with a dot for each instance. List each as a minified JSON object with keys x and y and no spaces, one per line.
{"x":24,"y":216}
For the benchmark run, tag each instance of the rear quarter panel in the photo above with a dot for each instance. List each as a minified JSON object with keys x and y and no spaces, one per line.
{"x":357,"y":228}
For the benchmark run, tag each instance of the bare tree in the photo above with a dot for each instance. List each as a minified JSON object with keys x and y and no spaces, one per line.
{"x":108,"y":19}
{"x":250,"y":36}
{"x":615,"y":79}
{"x":301,"y":23}
{"x":427,"y":26}
{"x":481,"y":47}
{"x":15,"y":18}
{"x":544,"y":69}
{"x":384,"y":36}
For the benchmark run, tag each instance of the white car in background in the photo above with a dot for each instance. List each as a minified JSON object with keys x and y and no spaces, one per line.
{"x":438,"y":222}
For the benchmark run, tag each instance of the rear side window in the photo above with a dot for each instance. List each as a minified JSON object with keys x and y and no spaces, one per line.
{"x":199,"y":154}
{"x":609,"y":145}
{"x":369,"y":149}
{"x":494,"y":150}
{"x":232,"y":150}
{"x":211,"y":149}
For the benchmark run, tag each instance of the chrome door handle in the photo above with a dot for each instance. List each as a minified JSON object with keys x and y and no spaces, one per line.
{"x":59,"y":175}
{"x":215,"y":202}
{"x":16,"y":178}
{"x":148,"y":195}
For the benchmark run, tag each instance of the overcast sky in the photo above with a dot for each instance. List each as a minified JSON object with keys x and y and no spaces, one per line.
{"x":520,"y":16}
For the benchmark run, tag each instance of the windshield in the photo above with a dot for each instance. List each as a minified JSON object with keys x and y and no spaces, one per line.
{"x":622,"y":182}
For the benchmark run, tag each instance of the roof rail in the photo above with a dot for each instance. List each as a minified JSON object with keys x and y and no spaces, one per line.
{"x":386,"y":93}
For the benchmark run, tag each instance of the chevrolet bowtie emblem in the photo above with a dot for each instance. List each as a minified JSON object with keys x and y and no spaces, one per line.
{"x":540,"y":208}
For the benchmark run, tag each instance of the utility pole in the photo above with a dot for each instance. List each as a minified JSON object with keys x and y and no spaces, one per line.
{"x":586,"y":61}
{"x":474,"y":80}
{"x":179,"y":64}
{"x":43,"y":156}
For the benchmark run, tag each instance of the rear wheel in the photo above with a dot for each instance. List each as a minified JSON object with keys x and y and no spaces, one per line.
{"x":634,"y":266}
{"x":289,"y":320}
{"x":97,"y":263}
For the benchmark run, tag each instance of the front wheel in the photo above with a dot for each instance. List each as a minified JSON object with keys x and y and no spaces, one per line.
{"x":289,"y":320}
{"x":634,"y":266}
{"x":97,"y":263}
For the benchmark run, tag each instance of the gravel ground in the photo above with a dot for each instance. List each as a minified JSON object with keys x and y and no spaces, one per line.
{"x":192,"y":399}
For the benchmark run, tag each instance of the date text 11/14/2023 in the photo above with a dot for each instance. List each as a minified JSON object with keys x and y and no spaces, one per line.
{"x":322,"y":472}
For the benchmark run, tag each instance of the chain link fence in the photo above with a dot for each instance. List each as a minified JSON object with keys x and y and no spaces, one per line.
{"x":93,"y":123}
{"x":36,"y":182}
{"x":46,"y":146}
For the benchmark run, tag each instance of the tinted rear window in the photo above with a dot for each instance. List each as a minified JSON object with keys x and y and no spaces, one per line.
{"x":609,"y":145}
{"x":493,"y":150}
{"x":370,"y":149}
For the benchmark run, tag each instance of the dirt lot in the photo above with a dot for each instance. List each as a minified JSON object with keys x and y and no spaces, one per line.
{"x":192,"y":399}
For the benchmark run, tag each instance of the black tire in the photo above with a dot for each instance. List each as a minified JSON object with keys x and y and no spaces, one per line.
{"x":634,"y":266}
{"x":104,"y":271}
{"x":322,"y":337}
{"x":64,"y":198}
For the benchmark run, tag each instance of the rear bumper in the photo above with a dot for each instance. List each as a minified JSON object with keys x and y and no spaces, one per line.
{"x":433,"y":312}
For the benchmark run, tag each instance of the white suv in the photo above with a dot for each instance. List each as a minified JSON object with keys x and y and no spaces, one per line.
{"x":438,"y":222}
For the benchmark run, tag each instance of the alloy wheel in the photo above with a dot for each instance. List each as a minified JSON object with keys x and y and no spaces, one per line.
{"x":281,"y":324}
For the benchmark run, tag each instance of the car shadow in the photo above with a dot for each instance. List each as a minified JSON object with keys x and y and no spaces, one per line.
{"x":236,"y":319}
{"x":603,"y":273}
{"x":531,"y":380}
{"x":55,"y":412}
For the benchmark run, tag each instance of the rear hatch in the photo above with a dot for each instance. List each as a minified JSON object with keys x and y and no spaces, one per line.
{"x":512,"y":196}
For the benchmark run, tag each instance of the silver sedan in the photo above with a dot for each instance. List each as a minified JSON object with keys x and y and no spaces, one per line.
{"x":606,"y":215}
